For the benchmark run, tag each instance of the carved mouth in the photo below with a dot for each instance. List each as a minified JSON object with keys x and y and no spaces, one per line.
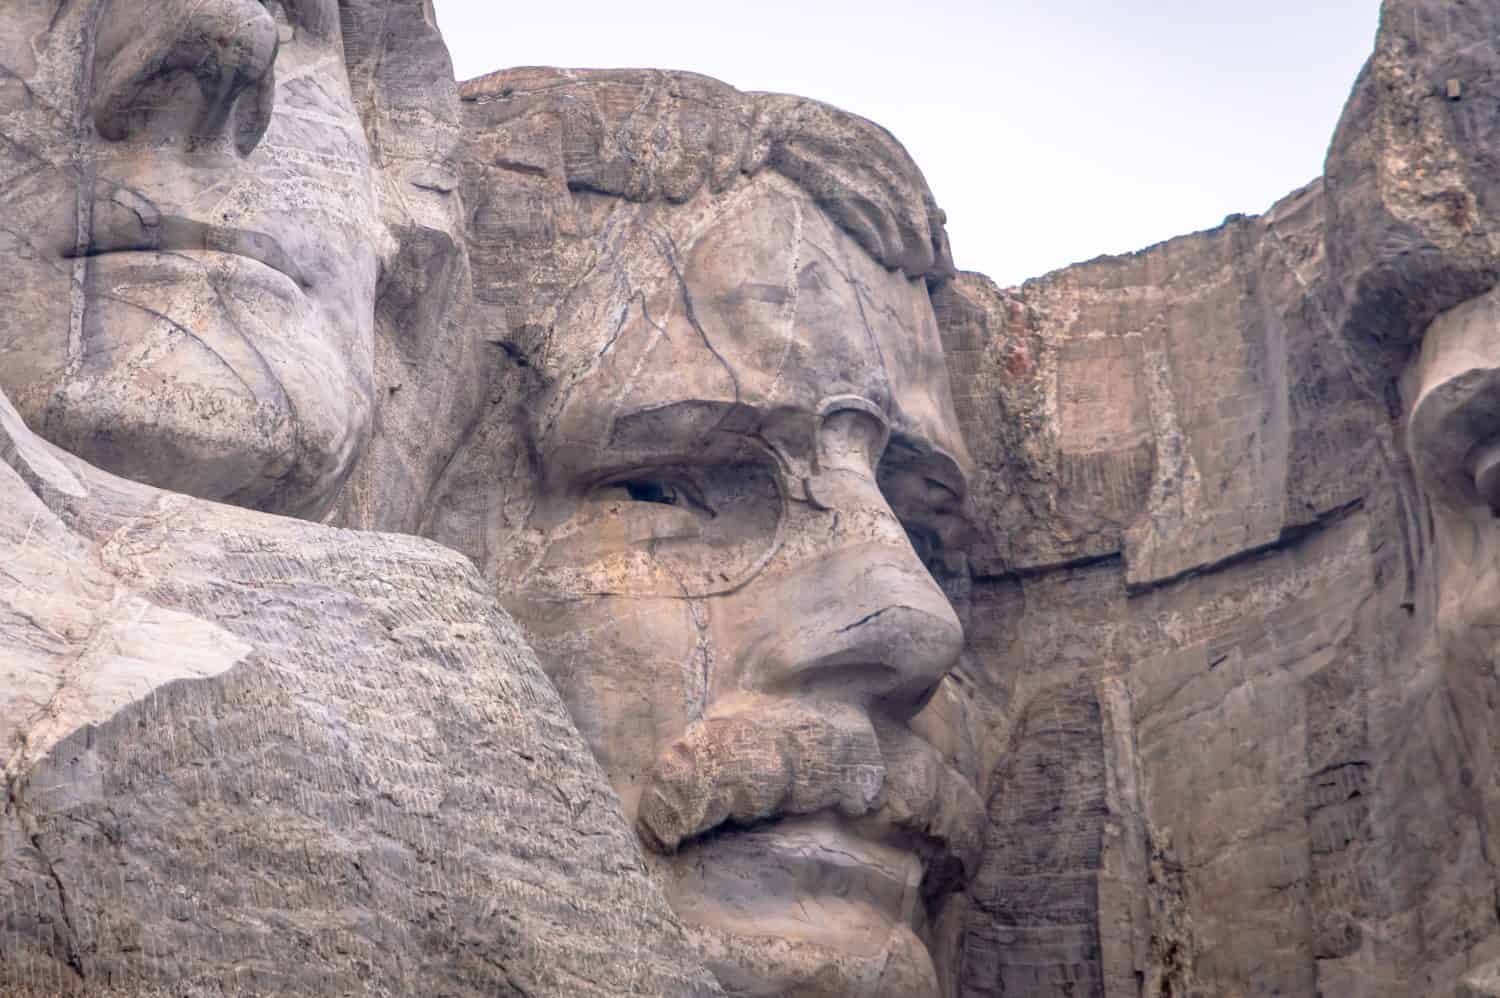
{"x":817,"y":863}
{"x":817,"y":904}
{"x":768,"y":764}
{"x":148,"y":232}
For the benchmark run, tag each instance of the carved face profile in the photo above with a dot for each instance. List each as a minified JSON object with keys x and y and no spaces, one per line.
{"x":744,"y":436}
{"x":1453,"y":437}
{"x":187,"y":283}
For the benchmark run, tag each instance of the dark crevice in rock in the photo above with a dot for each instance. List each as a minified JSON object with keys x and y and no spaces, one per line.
{"x":1290,"y":537}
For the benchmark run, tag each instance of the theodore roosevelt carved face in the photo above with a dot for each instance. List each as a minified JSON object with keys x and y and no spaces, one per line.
{"x":745,"y":450}
{"x":188,"y":266}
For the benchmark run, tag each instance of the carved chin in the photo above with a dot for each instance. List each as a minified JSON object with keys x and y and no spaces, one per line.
{"x":806,"y":905}
{"x":224,"y":447}
{"x":196,"y":439}
{"x":781,"y":964}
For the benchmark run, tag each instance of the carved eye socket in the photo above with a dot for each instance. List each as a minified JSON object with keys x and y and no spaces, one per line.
{"x":657,"y":491}
{"x":669,"y":530}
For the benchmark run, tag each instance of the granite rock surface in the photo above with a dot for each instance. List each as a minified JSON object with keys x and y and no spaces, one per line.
{"x":719,"y":471}
{"x":1231,"y":593}
{"x":248,"y":755}
{"x":1127,"y":633}
{"x":245,"y":753}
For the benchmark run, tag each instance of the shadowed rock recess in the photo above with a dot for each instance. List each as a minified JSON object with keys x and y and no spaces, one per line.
{"x":574,"y":533}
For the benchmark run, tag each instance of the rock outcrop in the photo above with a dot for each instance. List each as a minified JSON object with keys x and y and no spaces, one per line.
{"x":245,"y":753}
{"x":658,"y":366}
{"x":1212,"y":599}
{"x":248,"y":755}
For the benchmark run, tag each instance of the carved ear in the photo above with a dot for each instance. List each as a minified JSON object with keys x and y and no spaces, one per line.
{"x":1453,"y":427}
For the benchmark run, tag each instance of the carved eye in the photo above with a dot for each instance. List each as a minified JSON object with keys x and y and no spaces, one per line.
{"x":659,"y":492}
{"x":641,"y":490}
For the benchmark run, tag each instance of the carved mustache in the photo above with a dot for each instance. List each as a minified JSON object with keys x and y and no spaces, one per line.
{"x":764,"y":759}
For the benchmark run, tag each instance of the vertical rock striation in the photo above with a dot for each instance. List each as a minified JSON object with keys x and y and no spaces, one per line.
{"x":1197,"y":491}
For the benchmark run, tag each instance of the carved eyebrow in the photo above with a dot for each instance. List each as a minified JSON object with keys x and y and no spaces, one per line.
{"x":648,"y":428}
{"x":684,"y":433}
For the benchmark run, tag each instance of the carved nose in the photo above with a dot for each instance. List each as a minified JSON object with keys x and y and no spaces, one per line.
{"x":857,"y":617}
{"x":847,"y":611}
{"x":871,"y":627}
{"x":196,"y":73}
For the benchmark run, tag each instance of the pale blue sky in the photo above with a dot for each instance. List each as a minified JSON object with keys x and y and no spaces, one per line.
{"x":1051,"y":132}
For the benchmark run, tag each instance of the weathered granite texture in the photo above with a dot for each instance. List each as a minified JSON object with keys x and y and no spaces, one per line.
{"x":1176,"y":679}
{"x":722,"y":459}
{"x":1178,"y":572}
{"x":198,"y":217}
{"x":249,"y":755}
{"x":242,"y":753}
{"x":1233,"y":598}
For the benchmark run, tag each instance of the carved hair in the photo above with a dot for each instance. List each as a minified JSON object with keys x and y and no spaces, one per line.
{"x":647,"y":135}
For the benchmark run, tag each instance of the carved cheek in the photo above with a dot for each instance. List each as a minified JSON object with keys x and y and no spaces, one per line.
{"x":632,"y":672}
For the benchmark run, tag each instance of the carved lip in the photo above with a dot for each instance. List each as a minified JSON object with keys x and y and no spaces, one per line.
{"x":816,"y":860}
{"x":832,"y":871}
{"x":173,"y":233}
{"x":925,"y":808}
{"x":884,"y":785}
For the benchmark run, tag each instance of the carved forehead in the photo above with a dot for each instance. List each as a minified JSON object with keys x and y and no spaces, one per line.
{"x":753,"y":299}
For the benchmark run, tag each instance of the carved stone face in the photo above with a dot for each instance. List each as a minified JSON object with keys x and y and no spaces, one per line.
{"x":720,"y":579}
{"x":1453,"y":436}
{"x":188,"y":279}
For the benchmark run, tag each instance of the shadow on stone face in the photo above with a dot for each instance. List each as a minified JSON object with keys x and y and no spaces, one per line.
{"x":1224,"y":691}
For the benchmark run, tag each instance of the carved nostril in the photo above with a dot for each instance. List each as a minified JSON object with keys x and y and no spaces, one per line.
{"x":198,"y":75}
